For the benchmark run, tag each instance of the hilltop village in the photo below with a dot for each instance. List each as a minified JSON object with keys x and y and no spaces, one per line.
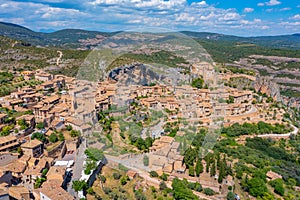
{"x":51,"y":139}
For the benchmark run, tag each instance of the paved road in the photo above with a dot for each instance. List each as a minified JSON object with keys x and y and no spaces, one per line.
{"x":78,"y":167}
{"x":294,"y":132}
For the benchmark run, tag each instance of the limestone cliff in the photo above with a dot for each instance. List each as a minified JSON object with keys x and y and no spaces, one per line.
{"x":266,"y":85}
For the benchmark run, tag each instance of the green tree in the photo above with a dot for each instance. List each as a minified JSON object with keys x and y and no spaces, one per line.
{"x":230,"y":196}
{"x":140,"y":144}
{"x":6,"y":130}
{"x":20,"y":151}
{"x":89,"y":166}
{"x":148,"y":142}
{"x":257,"y":187}
{"x":23,"y":124}
{"x":199,"y":168}
{"x":198,"y":187}
{"x":69,"y":127}
{"x":38,"y":136}
{"x":153,"y":174}
{"x":146,"y":160}
{"x":124,"y":180}
{"x":39,"y":182}
{"x":116,"y":175}
{"x":79,"y":185}
{"x":90,"y":191}
{"x":40,"y":125}
{"x":44,"y":172}
{"x":74,"y":133}
{"x":162,"y":185}
{"x":230,"y":100}
{"x":191,"y":171}
{"x":208,"y":191}
{"x":164,"y":177}
{"x":181,"y":191}
{"x":139,"y":195}
{"x":197,"y":83}
{"x":190,"y":156}
{"x":277,"y":184}
{"x":61,"y":136}
{"x":213,"y":169}
{"x":53,"y":137}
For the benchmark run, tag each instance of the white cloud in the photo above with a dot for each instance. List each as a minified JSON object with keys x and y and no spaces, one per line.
{"x":265,"y":27}
{"x":285,"y":9}
{"x":290,"y":23}
{"x":185,"y":17}
{"x":248,"y":10}
{"x":296,"y":17}
{"x":230,"y":16}
{"x":257,"y":20}
{"x":114,"y":15}
{"x":273,"y":3}
{"x":159,"y":4}
{"x":201,"y":3}
{"x":270,"y":3}
{"x":53,"y":12}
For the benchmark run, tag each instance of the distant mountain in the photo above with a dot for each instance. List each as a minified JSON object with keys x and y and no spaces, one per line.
{"x":281,"y":41}
{"x":67,"y":37}
{"x":76,"y":38}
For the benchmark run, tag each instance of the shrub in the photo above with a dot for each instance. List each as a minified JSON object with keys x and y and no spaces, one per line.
{"x":79,"y":185}
{"x":278,"y":186}
{"x":90,"y":191}
{"x":40,"y":125}
{"x":153,"y":174}
{"x":116,"y":175}
{"x":164,"y":177}
{"x":124,"y":180}
{"x":230,"y":196}
{"x":162,"y":185}
{"x":146,"y":160}
{"x":208,"y":191}
{"x":102,"y":178}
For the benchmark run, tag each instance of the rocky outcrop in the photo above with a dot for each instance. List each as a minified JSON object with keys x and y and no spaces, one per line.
{"x":140,"y":74}
{"x":268,"y":86}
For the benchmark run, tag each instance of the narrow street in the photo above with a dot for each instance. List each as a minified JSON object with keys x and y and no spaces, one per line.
{"x":78,"y":167}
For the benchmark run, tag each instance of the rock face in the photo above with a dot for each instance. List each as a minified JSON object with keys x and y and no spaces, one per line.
{"x":266,"y":85}
{"x":140,"y":74}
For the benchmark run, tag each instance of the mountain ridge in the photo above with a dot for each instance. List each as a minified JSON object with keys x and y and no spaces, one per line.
{"x":72,"y":38}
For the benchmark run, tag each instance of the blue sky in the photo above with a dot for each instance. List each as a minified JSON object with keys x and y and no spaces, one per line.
{"x":236,"y":17}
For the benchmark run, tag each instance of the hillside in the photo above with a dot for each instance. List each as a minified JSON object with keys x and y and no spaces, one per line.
{"x":281,"y":41}
{"x":76,"y":38}
{"x":275,"y":57}
{"x":67,"y":38}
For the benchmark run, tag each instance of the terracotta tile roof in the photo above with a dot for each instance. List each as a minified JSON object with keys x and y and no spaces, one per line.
{"x":15,"y":167}
{"x":17,"y":192}
{"x":8,"y":138}
{"x":31,"y":144}
{"x":54,"y":192}
{"x":56,"y":173}
{"x":51,"y":99}
{"x":9,"y":146}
